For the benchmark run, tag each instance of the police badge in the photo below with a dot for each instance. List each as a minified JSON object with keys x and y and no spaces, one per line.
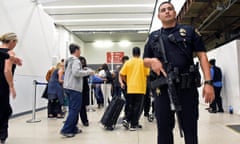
{"x":182,"y":32}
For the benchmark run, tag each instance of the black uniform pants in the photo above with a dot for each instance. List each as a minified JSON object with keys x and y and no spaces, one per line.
{"x":135,"y":107}
{"x":147,"y":103}
{"x":5,"y":113}
{"x":217,"y":102}
{"x":165,"y":117}
{"x":126,"y":108}
{"x":54,"y":107}
{"x":83,"y":114}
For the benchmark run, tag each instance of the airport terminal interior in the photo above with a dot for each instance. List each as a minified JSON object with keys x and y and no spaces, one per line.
{"x":107,"y":30}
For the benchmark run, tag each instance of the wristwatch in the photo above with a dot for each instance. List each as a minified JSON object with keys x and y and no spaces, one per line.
{"x":209,"y":82}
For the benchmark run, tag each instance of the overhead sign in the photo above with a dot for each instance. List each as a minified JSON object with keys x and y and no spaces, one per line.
{"x":114,"y":57}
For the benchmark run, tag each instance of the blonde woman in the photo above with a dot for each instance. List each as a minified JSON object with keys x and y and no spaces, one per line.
{"x":55,"y":92}
{"x":9,"y":41}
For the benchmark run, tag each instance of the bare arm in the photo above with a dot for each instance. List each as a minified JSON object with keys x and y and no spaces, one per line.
{"x":9,"y":76}
{"x":204,"y":65}
{"x":122,"y":79}
{"x":13,"y":58}
{"x":147,"y":62}
{"x":208,"y":91}
{"x":155,"y":65}
{"x":60,"y":75}
{"x":16,"y":60}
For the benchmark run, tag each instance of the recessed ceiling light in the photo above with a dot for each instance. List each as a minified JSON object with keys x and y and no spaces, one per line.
{"x":124,"y":43}
{"x":103,"y":43}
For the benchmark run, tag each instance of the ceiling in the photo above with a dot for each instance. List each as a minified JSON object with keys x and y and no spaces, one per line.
{"x":93,"y":20}
{"x":217,"y":20}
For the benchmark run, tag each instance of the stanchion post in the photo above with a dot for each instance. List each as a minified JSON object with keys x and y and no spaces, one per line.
{"x":34,"y":120}
{"x":90,"y":107}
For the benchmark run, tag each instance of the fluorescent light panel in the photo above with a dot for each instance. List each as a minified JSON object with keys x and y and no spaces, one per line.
{"x":103,"y":20}
{"x":100,"y":6}
{"x":112,"y":29}
{"x":109,"y":43}
{"x":124,"y":43}
{"x":103,"y":43}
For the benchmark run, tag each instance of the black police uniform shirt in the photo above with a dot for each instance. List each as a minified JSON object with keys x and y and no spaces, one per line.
{"x":179,"y":48}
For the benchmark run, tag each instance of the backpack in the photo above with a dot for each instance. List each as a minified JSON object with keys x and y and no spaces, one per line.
{"x":49,"y":73}
{"x":217,"y":76}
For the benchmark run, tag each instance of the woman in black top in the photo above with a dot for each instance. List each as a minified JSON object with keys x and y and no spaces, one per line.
{"x":9,"y":41}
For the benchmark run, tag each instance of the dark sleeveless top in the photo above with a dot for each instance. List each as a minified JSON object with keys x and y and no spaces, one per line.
{"x":55,"y":89}
{"x":3,"y":81}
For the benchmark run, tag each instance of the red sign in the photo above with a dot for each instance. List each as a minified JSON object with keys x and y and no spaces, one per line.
{"x":114,"y":57}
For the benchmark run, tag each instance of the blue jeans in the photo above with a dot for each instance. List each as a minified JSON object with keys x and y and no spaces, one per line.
{"x":117,"y":91}
{"x":75,"y":101}
{"x":98,"y":94}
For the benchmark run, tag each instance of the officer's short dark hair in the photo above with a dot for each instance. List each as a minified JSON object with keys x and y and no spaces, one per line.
{"x":125,"y":58}
{"x":212,"y":61}
{"x":136,"y":51}
{"x":165,"y":2}
{"x":73,"y":48}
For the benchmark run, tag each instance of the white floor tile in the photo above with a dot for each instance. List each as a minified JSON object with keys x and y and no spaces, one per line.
{"x":212,"y":130}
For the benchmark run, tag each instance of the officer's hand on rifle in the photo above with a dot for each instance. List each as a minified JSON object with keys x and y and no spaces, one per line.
{"x":208,"y":93}
{"x":157,"y":67}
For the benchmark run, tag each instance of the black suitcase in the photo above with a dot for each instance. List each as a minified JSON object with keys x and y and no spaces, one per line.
{"x":112,"y":113}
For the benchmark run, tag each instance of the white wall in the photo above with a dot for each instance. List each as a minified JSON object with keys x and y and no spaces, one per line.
{"x":39,"y":42}
{"x":227,"y":58}
{"x":62,"y":40}
{"x":97,"y":55}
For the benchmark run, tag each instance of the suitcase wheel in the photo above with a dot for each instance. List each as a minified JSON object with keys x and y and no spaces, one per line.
{"x":150,"y":118}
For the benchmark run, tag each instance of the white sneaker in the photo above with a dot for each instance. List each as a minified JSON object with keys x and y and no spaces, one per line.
{"x":132,"y":128}
{"x":125,"y":124}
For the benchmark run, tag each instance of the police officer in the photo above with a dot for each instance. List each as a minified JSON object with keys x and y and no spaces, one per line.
{"x":180,"y":41}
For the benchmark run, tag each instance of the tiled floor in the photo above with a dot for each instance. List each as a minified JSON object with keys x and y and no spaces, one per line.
{"x":212,"y":130}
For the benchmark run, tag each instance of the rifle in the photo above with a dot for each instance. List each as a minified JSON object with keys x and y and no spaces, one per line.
{"x":170,"y":81}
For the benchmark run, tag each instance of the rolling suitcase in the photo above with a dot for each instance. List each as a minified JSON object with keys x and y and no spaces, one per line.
{"x":112,"y":113}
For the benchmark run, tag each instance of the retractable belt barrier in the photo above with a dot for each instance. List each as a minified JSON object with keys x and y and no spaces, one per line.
{"x":34,"y":120}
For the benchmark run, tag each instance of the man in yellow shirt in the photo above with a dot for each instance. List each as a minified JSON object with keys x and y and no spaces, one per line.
{"x":134,"y":73}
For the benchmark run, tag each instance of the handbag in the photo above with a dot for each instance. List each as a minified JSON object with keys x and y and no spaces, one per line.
{"x":45,"y":95}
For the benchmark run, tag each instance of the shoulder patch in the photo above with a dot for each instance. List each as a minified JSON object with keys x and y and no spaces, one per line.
{"x":197,"y":32}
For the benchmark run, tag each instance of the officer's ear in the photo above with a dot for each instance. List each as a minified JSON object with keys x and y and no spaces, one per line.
{"x":159,"y":17}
